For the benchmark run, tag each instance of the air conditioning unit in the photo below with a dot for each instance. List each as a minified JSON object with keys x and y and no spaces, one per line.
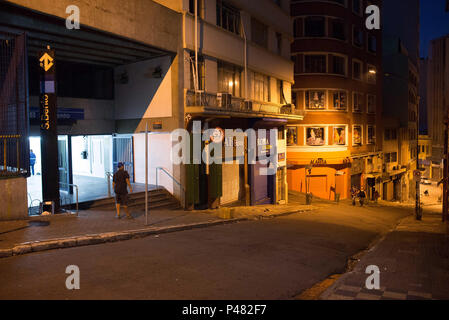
{"x":248,"y":105}
{"x":224,"y":100}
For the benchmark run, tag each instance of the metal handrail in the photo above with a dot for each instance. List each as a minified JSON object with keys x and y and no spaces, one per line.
{"x":109,"y":175}
{"x":183,"y":190}
{"x":76,"y":189}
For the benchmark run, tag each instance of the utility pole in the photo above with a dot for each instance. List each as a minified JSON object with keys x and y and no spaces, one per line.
{"x":418,"y":169}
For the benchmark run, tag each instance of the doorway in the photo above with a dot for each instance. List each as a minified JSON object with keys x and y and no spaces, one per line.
{"x":91,"y":158}
{"x":34,"y":182}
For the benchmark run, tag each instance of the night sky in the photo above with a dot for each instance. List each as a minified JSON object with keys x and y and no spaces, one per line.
{"x":434,"y":22}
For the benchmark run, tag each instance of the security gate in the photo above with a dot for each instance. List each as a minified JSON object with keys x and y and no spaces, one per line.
{"x":123,"y":151}
{"x":14,"y":144}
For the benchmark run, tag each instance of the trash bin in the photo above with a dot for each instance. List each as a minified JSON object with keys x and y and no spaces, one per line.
{"x":309,"y":197}
{"x":47,"y":206}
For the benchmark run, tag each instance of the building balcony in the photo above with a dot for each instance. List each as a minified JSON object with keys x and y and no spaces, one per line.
{"x":204,"y":103}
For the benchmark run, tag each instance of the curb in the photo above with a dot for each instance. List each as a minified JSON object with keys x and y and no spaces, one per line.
{"x":109,"y":237}
{"x":87,"y":240}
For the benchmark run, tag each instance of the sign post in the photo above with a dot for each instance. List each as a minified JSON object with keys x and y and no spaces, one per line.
{"x":146,"y":174}
{"x":48,"y":129}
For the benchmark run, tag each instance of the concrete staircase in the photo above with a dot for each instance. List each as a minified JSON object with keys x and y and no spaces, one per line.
{"x":157,"y":199}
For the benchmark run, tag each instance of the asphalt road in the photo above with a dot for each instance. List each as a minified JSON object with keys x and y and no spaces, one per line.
{"x":267,"y":259}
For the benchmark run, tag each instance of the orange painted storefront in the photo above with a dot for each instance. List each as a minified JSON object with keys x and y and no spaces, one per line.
{"x":322,"y":179}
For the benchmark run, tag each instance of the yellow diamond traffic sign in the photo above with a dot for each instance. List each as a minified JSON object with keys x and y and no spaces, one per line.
{"x":46,"y":61}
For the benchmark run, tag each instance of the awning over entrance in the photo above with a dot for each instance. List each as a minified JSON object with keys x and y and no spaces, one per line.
{"x":86,"y":45}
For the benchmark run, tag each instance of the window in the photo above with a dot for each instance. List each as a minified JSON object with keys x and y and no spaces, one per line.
{"x":394,"y":157}
{"x":292,"y":136}
{"x":394,"y":134}
{"x":259,"y":33}
{"x":260,"y":87}
{"x":371,"y":135}
{"x":340,"y":136}
{"x":201,"y":72}
{"x":357,"y":135}
{"x":390,"y":134}
{"x":357,"y":70}
{"x":279,"y":43}
{"x":338,"y":30}
{"x":228,"y":17}
{"x":280,"y":92}
{"x":371,"y":103}
{"x":339,"y":65}
{"x":229,"y":78}
{"x":315,"y":27}
{"x":358,"y":37}
{"x":315,"y":63}
{"x":372,"y":44}
{"x":391,"y":157}
{"x":315,"y":99}
{"x":372,"y":74}
{"x":315,"y":136}
{"x":357,"y":102}
{"x":297,"y":27}
{"x":340,"y":100}
{"x":192,"y":6}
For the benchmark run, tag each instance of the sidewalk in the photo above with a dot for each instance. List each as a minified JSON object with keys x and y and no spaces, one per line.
{"x":93,"y":227}
{"x":413,"y":262}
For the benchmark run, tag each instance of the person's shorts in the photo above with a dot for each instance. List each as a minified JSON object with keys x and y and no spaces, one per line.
{"x":122,"y":199}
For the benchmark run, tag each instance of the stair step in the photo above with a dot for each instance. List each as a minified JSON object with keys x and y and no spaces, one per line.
{"x":159,"y":198}
{"x":131,"y":197}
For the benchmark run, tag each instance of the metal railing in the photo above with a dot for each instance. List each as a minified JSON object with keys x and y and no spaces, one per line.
{"x":205,"y":99}
{"x":10,"y":155}
{"x":173,"y":179}
{"x":76,"y":194}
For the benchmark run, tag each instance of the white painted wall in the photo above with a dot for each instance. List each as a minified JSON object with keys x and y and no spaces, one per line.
{"x":80,"y":166}
{"x":99,"y":159}
{"x":159,"y":146}
{"x":144,"y":96}
{"x":98,"y":116}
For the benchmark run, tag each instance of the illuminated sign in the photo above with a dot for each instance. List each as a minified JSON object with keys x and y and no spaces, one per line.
{"x":46,"y":61}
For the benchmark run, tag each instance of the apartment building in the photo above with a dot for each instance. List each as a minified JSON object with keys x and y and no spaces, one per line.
{"x":338,"y":84}
{"x":438,"y":100}
{"x":401,"y":91}
{"x":160,"y":66}
{"x":237,"y":75}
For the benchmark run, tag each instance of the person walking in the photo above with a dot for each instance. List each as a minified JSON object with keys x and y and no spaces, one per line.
{"x":354,"y":193}
{"x":120,"y":183}
{"x":362,"y":196}
{"x":32,"y":161}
